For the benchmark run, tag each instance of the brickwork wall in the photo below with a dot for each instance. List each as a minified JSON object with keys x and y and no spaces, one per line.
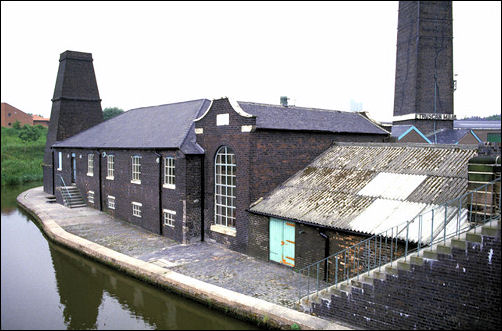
{"x":147,"y":193}
{"x":310,"y":246}
{"x":424,"y":46}
{"x":11,"y":114}
{"x":457,"y":291}
{"x":265,"y":159}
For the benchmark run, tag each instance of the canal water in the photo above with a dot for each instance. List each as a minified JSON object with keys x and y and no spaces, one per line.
{"x":44,"y":286}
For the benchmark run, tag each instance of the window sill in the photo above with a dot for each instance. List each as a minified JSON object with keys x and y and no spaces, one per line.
{"x":136,"y":181}
{"x":90,"y":175}
{"x":169,"y":186}
{"x":110,"y":177}
{"x":223,"y":230}
{"x":169,"y":225}
{"x":59,"y":169}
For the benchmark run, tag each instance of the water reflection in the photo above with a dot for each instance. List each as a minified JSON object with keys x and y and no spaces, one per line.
{"x":78,"y":293}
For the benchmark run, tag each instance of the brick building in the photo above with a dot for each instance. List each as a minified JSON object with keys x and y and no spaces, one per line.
{"x":185,"y":170}
{"x":11,"y":115}
{"x":424,"y":83}
{"x":351,"y":192}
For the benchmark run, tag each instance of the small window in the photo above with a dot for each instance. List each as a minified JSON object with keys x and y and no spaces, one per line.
{"x":222,"y":119}
{"x":111,"y":202}
{"x":110,"y":167}
{"x":136,"y":209}
{"x":60,"y":161}
{"x":169,"y":217}
{"x":169,"y":179}
{"x":136,"y":169}
{"x":90,"y":164}
{"x":90,"y":196}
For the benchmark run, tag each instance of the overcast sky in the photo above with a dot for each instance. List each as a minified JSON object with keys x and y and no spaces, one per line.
{"x":318,"y":54}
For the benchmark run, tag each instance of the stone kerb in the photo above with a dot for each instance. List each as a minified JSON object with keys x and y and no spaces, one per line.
{"x":238,"y":304}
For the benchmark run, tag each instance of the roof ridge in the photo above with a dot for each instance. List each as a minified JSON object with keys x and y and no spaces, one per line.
{"x":294,"y":106}
{"x":168,"y":104}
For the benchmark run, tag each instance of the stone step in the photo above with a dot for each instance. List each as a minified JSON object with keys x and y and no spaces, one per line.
{"x":368,"y":279}
{"x":391,"y":271}
{"x":78,"y":206}
{"x":404,"y":266}
{"x":442,"y":249}
{"x":345,"y":288}
{"x":489,"y":231}
{"x":459,"y":243}
{"x":430,"y":254}
{"x":416,"y":260}
{"x":473,"y":237}
{"x":379,"y":275}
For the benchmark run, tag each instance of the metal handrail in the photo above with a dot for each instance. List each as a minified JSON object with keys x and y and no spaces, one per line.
{"x":67,"y":191}
{"x":382,"y":248}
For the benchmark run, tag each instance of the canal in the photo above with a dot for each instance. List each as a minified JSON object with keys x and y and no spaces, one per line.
{"x":44,"y":286}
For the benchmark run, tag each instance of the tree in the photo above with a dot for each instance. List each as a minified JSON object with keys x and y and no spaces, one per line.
{"x":16,"y":125}
{"x":111,"y":112}
{"x":29,"y":134}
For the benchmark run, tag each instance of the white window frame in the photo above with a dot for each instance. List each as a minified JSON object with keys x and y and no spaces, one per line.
{"x":90,"y":196}
{"x":136,"y":169}
{"x":224,"y":188}
{"x":169,"y":217}
{"x":60,"y":161}
{"x":136,"y":209}
{"x":110,"y":167}
{"x":169,"y":173}
{"x":222,"y":119}
{"x":90,"y":164}
{"x":111,"y":202}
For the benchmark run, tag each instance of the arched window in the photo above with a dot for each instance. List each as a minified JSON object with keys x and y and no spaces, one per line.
{"x":224,"y":187}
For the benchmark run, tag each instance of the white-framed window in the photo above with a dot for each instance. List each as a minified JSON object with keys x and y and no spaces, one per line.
{"x":222,"y":119}
{"x":90,"y":164}
{"x":90,"y":196}
{"x":169,"y":216}
{"x":136,"y":169}
{"x":110,"y":164}
{"x":169,"y":179}
{"x":60,"y":160}
{"x":224,"y":187}
{"x":136,"y":209}
{"x":111,"y":202}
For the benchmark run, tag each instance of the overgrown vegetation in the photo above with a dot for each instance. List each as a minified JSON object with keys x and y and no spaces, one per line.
{"x":22,"y":153}
{"x":111,"y":112}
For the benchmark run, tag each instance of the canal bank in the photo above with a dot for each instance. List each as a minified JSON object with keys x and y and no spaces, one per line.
{"x":54,"y":218}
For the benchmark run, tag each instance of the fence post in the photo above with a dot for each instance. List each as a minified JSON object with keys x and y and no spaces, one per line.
{"x":432,"y":227}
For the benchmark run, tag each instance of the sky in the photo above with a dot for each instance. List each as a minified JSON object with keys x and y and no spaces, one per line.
{"x":332,"y":55}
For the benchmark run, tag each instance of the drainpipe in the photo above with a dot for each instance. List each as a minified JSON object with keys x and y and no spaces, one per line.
{"x":100,"y":183}
{"x":326,"y":251}
{"x":160,"y":190}
{"x":202,"y":197}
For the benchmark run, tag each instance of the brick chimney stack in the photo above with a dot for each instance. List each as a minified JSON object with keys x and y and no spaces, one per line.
{"x":76,"y":106}
{"x":424,"y":66}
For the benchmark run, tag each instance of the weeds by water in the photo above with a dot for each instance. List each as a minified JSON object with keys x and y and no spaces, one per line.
{"x":22,"y":160}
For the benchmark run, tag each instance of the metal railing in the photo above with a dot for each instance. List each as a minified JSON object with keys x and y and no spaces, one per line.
{"x":66,"y":203}
{"x":430,"y":227}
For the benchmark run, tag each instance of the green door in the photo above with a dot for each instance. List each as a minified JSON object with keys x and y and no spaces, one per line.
{"x":282,"y":241}
{"x":276,"y":236}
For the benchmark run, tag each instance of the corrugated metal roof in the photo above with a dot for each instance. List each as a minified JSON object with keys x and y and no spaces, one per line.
{"x":369,"y":188}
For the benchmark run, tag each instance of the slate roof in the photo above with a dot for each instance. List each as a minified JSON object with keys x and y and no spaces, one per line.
{"x":312,"y":119}
{"x":164,"y":126}
{"x":448,"y":136}
{"x":171,"y":125}
{"x":483,"y":124}
{"x":398,"y":130}
{"x":370,"y":187}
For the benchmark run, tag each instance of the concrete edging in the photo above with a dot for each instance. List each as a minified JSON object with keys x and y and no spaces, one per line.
{"x":259,"y":311}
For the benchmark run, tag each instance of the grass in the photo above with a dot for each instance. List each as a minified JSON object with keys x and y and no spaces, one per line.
{"x":22,"y":161}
